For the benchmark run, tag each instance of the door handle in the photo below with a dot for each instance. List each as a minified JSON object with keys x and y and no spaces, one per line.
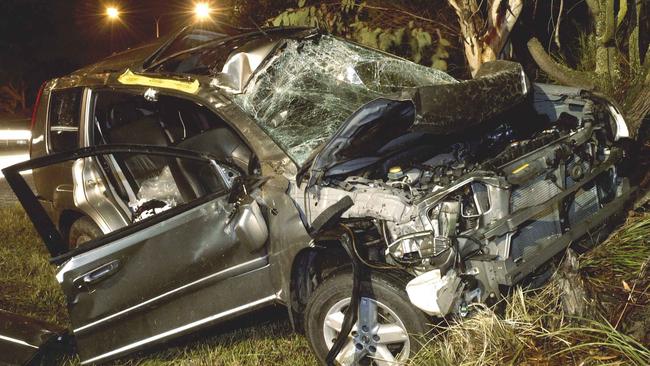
{"x":98,"y":274}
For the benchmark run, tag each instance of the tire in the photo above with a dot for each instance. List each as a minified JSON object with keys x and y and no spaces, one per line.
{"x":83,"y":230}
{"x":391,"y":301}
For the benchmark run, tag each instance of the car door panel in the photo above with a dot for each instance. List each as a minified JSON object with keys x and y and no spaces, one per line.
{"x":161,"y":324}
{"x":187,"y":255}
{"x":159,"y":277}
{"x":164,"y":256}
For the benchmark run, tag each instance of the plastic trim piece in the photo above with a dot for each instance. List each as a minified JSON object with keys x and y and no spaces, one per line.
{"x":129,"y":78}
{"x":184,"y":328}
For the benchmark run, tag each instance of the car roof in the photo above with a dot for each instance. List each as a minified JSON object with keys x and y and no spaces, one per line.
{"x":138,"y":57}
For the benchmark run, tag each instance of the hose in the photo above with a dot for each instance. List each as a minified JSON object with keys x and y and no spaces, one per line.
{"x":350,"y":317}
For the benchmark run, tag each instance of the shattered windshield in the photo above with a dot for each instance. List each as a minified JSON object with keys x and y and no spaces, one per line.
{"x":311,"y":86}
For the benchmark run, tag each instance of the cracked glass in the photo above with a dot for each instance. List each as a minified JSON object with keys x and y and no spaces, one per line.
{"x":309,"y":87}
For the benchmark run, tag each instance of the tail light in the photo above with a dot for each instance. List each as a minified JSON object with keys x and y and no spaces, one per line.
{"x":34,"y":110}
{"x":36,"y":103}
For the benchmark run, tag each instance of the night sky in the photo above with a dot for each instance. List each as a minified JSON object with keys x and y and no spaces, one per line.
{"x":45,"y":39}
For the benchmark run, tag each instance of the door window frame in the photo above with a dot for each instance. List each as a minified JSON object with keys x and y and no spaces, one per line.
{"x":48,"y":230}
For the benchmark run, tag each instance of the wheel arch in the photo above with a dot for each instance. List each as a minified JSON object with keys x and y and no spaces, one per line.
{"x":309,"y":268}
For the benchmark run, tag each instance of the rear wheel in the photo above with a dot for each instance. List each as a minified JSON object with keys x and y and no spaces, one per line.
{"x":82,"y":230}
{"x":387,"y":329}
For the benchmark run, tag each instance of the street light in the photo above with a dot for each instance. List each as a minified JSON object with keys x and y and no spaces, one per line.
{"x":113,"y":15}
{"x":202,"y":11}
{"x":112,"y":12}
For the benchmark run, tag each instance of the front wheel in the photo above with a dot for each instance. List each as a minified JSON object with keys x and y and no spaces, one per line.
{"x":387,"y":329}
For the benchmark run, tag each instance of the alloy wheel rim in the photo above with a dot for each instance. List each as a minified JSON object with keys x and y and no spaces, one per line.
{"x":379,"y":336}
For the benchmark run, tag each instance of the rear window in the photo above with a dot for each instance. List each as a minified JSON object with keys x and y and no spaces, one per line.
{"x":64,"y":116}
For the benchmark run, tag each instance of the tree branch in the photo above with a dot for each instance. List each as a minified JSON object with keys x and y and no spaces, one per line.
{"x":556,"y":71}
{"x":556,"y":32}
{"x":408,"y":13}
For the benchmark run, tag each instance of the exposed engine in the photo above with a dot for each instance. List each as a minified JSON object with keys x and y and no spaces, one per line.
{"x":482,"y":213}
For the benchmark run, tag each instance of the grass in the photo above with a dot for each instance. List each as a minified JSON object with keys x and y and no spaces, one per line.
{"x":532,"y":327}
{"x":28,"y":286}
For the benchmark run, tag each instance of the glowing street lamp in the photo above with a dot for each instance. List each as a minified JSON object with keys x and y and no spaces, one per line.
{"x":112,"y":13}
{"x":202,"y":11}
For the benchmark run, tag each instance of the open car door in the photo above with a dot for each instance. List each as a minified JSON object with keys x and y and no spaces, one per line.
{"x":192,"y":238}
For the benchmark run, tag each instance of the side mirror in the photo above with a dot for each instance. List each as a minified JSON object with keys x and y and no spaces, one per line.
{"x":250,"y":225}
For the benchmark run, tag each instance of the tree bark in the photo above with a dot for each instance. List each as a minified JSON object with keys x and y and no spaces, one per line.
{"x":633,"y":40}
{"x":469,"y":32}
{"x":485,"y":46}
{"x":607,"y":66}
{"x":637,"y":107}
{"x":609,"y":22}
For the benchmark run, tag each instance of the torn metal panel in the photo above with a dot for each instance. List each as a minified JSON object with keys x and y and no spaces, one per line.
{"x":27,"y":341}
{"x":240,"y":66}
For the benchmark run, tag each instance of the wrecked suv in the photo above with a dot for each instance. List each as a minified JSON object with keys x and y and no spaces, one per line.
{"x":185,"y":183}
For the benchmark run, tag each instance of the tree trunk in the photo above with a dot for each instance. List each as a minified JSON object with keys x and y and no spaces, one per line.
{"x":633,"y":40}
{"x":637,"y":106}
{"x":637,"y":110}
{"x":485,"y":46}
{"x":469,"y":32}
{"x":607,"y":66}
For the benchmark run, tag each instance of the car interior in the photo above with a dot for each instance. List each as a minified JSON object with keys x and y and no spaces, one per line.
{"x":125,"y":118}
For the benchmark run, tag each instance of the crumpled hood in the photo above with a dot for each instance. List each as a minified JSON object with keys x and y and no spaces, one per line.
{"x":386,"y":124}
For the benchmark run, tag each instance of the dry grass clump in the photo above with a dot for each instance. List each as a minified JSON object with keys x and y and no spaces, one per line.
{"x":534,"y":326}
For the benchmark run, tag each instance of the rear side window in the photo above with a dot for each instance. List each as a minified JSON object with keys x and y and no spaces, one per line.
{"x":64,"y":116}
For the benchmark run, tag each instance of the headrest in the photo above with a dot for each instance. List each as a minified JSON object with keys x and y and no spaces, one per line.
{"x":123,"y":113}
